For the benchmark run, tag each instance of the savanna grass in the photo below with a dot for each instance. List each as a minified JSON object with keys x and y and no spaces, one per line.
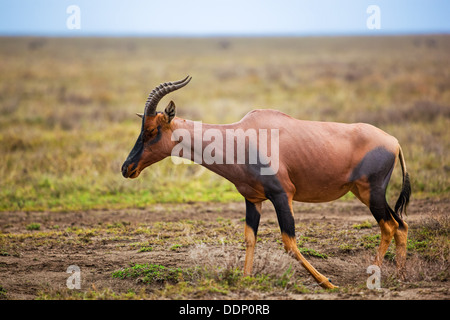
{"x":67,"y":108}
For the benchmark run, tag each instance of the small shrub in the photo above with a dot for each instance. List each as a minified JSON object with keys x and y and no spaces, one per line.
{"x":2,"y":292}
{"x":145,"y":249}
{"x":346,"y":247}
{"x":175,"y":247}
{"x":365,"y":225}
{"x":370,"y":241}
{"x":313,"y":253}
{"x":150,"y":273}
{"x":34,"y":226}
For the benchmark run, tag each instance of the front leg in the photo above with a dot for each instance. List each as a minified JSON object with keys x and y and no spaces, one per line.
{"x":285,"y":214}
{"x":252,"y":216}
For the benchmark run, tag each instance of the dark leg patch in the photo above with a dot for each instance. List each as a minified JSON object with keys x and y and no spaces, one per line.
{"x":377,"y":166}
{"x":252,"y":216}
{"x":284,"y":214}
{"x":274,"y":191}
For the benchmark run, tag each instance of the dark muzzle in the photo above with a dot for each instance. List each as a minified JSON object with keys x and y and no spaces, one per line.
{"x":129,"y":167}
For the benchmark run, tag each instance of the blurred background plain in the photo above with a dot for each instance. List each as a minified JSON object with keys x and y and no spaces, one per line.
{"x":71,"y":81}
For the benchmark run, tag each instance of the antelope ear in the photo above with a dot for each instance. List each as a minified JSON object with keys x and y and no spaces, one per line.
{"x":140,"y":115}
{"x":169,"y":111}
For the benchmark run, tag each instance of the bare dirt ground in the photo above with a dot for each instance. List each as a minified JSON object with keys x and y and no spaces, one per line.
{"x":33,"y":263}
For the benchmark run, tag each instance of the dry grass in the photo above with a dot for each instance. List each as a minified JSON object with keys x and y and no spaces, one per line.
{"x":67,"y":108}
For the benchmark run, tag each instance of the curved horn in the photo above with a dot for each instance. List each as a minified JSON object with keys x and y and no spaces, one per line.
{"x":160,"y":91}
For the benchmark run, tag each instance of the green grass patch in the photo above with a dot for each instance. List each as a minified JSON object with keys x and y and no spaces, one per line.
{"x":145,"y":249}
{"x":3,"y":293}
{"x":175,"y":247}
{"x":34,"y":226}
{"x":75,"y":200}
{"x":429,"y":238}
{"x":365,"y":225}
{"x":201,"y":282}
{"x":150,"y":273}
{"x":370,"y":241}
{"x":313,"y":253}
{"x":346,"y":247}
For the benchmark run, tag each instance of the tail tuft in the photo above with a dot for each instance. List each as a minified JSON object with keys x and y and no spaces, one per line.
{"x":405,"y":194}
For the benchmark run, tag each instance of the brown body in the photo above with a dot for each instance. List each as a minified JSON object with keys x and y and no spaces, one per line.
{"x":317,"y":158}
{"x":318,"y":162}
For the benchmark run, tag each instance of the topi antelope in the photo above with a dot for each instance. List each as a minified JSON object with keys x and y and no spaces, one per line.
{"x":318,"y":162}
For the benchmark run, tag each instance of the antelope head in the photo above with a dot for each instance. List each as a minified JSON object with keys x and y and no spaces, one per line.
{"x":154,"y":142}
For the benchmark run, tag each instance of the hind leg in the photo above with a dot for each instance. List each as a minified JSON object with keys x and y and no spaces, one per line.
{"x":401,"y":237}
{"x":375,"y":199}
{"x":370,"y":179}
{"x":398,"y":230}
{"x":390,"y":227}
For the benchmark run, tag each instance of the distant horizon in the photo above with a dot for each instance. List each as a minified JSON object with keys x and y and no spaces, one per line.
{"x":219,"y":35}
{"x":231,"y":18}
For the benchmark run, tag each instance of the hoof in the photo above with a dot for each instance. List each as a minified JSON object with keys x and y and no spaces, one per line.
{"x":401,"y":275}
{"x":326,"y":284}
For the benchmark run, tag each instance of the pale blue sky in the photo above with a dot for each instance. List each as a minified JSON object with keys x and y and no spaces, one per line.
{"x":222,"y":17}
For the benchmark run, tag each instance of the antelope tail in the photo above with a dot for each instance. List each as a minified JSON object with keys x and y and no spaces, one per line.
{"x":405,"y":194}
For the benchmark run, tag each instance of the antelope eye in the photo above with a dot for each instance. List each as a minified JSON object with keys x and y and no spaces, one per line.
{"x":148,"y":133}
